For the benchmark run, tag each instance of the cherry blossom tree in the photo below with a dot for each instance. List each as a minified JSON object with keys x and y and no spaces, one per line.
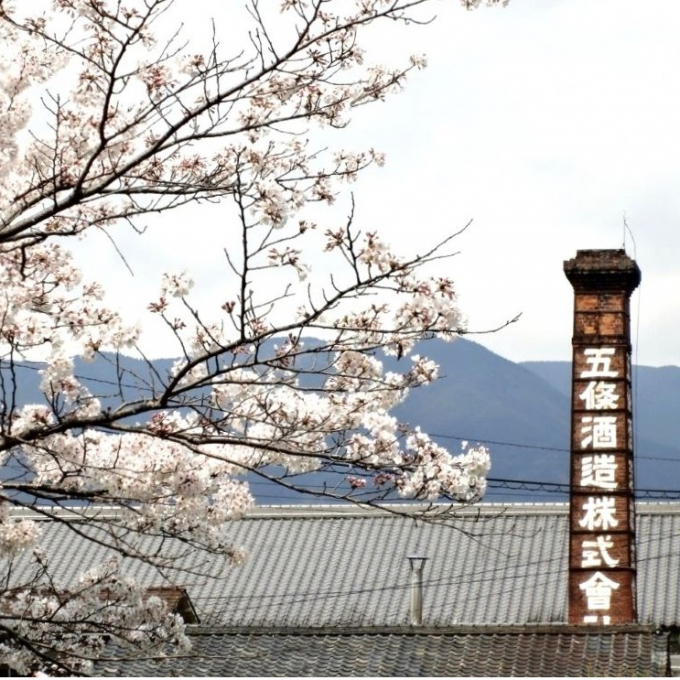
{"x":106,"y":120}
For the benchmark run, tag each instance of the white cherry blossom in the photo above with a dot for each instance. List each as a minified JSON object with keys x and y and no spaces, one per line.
{"x":104,"y":121}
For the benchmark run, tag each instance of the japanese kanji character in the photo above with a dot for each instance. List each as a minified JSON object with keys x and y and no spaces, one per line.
{"x":594,"y":618}
{"x":600,"y":395}
{"x":599,"y":513}
{"x":599,"y":470}
{"x":599,"y":359}
{"x":594,"y":553}
{"x":599,"y":431}
{"x":598,"y":589}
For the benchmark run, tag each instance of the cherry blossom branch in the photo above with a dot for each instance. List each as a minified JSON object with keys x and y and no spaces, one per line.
{"x":297,"y":370}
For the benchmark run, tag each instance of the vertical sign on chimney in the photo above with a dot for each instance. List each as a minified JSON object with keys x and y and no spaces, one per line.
{"x":602,"y":512}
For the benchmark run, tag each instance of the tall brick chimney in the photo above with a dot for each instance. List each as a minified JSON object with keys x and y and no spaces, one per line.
{"x":602,"y":512}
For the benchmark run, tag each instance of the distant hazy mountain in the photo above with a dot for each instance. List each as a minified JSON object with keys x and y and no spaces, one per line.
{"x":482,"y":397}
{"x":521,"y":411}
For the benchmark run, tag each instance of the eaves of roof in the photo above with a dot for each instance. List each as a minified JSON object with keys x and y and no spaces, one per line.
{"x":399,"y":651}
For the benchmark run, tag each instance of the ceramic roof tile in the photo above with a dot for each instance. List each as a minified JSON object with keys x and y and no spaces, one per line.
{"x":421,"y":652}
{"x":334,"y":567}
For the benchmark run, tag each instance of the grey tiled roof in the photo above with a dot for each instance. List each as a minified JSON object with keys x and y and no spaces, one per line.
{"x":318,"y":566}
{"x":485,"y":652}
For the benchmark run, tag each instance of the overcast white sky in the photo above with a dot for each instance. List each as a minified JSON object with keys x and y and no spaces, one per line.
{"x":545,"y":122}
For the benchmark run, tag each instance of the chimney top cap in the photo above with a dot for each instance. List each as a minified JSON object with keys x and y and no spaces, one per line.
{"x":602,"y":270}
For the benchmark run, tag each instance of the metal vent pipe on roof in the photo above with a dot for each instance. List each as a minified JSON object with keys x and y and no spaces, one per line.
{"x":416,"y":562}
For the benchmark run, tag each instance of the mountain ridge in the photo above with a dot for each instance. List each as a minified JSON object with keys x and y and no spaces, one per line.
{"x":521,"y":410}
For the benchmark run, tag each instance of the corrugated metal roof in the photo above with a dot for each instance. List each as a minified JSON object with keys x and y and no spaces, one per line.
{"x":347,"y":567}
{"x":421,"y":652}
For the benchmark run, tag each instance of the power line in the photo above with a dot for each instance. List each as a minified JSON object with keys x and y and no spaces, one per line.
{"x":555,"y":487}
{"x":499,"y":443}
{"x":531,"y":485}
{"x":535,"y":447}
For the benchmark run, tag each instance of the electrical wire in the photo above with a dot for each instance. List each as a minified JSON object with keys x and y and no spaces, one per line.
{"x":501,"y":572}
{"x":535,"y":447}
{"x":637,"y":341}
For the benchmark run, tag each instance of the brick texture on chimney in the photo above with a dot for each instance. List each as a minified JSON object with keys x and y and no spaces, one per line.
{"x":602,"y":511}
